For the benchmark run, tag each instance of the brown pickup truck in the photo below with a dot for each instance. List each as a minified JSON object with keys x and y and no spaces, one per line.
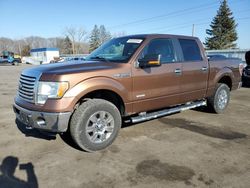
{"x":138,"y":78}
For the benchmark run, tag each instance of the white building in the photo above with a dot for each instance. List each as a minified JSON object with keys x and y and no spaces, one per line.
{"x":234,"y":53}
{"x":43,"y":55}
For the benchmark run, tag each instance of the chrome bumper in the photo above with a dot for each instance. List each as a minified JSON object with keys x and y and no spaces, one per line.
{"x":52,"y":122}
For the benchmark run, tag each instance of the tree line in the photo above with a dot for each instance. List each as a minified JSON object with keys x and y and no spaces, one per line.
{"x":221,"y":35}
{"x":75,"y":40}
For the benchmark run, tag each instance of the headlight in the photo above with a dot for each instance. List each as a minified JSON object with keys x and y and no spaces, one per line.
{"x":48,"y":90}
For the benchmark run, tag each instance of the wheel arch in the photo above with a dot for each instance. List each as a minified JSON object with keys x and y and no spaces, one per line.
{"x":108,"y":95}
{"x":225,"y":76}
{"x":102,"y":88}
{"x":226,"y":80}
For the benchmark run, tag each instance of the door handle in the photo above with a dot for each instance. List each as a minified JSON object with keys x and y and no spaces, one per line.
{"x":204,"y":69}
{"x":178,"y":71}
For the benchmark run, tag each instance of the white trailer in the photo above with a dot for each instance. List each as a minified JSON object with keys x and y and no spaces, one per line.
{"x":43,"y":55}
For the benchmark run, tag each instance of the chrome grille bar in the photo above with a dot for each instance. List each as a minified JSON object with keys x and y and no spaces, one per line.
{"x":26,"y":88}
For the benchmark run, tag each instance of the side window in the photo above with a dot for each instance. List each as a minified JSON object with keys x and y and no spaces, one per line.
{"x":190,"y":50}
{"x":162,"y":47}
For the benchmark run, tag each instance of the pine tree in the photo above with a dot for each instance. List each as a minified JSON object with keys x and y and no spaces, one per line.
{"x":104,"y":34}
{"x":67,"y":46}
{"x":94,"y":39}
{"x":222,"y":34}
{"x":26,"y":50}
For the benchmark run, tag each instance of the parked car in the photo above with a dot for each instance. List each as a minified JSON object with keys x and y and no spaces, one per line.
{"x":246,"y":71}
{"x":75,"y":58}
{"x":216,"y":57}
{"x":57,"y":60}
{"x":137,"y":77}
{"x":8,"y":57}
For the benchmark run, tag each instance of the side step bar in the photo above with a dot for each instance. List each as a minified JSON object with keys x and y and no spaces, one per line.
{"x":153,"y":115}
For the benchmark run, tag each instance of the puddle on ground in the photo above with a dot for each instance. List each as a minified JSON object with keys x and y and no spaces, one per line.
{"x":205,"y":180}
{"x":99,"y":181}
{"x":203,"y":129}
{"x":164,"y":171}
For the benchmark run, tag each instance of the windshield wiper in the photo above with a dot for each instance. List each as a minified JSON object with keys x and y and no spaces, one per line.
{"x":99,"y":58}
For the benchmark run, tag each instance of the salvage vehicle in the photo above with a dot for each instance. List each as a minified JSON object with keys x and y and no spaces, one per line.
{"x":137,"y":78}
{"x":8,"y":57}
{"x":246,"y":71}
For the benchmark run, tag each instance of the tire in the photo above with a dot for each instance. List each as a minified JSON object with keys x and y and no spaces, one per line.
{"x":220,"y":99}
{"x":15,"y":63}
{"x":95,"y":124}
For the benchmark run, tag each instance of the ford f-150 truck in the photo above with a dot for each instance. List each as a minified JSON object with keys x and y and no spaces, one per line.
{"x":138,"y":78}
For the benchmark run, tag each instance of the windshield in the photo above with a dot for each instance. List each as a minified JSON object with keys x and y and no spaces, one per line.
{"x":116,"y":50}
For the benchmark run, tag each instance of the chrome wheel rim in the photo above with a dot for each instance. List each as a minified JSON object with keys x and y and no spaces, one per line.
{"x":100,"y":127}
{"x":222,"y":99}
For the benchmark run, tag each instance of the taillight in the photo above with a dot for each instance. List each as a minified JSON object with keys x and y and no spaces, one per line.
{"x":241,"y":67}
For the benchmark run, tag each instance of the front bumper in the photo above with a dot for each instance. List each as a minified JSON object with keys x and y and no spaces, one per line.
{"x":51,"y":122}
{"x":245,"y":77}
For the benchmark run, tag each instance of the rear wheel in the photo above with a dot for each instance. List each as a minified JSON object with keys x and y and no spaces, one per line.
{"x":219,"y":101}
{"x":95,"y":124}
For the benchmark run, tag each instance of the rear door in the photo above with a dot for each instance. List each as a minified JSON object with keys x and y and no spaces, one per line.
{"x":194,"y":70}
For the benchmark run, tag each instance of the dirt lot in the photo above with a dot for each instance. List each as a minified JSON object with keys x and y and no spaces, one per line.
{"x":189,"y":149}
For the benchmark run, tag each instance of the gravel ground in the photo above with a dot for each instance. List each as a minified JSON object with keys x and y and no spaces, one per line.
{"x":190,"y":149}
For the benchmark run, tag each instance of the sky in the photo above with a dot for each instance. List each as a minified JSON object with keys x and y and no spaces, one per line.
{"x":48,"y":18}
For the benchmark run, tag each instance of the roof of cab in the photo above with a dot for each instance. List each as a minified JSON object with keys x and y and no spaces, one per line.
{"x":156,"y":35}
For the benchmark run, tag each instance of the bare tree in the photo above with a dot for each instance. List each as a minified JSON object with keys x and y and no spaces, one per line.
{"x":15,"y":46}
{"x":6,"y":44}
{"x":71,"y":33}
{"x":22,"y":46}
{"x":36,"y":42}
{"x":105,"y":35}
{"x":76,"y":36}
{"x":80,"y":37}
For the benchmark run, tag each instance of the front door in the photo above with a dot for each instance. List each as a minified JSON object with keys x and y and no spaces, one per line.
{"x":157,"y":87}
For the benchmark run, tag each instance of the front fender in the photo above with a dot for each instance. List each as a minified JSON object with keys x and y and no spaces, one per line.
{"x":98,"y":83}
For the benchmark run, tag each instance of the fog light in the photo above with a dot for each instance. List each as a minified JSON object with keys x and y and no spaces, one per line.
{"x":41,"y":122}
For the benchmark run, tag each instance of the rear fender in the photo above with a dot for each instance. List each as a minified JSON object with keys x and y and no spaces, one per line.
{"x":222,"y":73}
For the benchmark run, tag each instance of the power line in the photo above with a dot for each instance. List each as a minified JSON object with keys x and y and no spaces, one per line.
{"x":189,"y":25}
{"x":180,"y":24}
{"x":164,"y":15}
{"x":172,"y":14}
{"x":185,"y":23}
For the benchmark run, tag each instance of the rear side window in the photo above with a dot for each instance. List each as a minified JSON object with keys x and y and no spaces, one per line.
{"x":190,"y":50}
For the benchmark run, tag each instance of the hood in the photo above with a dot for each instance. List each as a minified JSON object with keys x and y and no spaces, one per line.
{"x":69,"y":67}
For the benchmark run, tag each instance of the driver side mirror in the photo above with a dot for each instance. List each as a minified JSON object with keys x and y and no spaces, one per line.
{"x":152,"y":60}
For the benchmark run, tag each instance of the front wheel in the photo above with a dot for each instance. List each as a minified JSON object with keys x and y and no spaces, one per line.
{"x":95,"y":124}
{"x":219,"y":101}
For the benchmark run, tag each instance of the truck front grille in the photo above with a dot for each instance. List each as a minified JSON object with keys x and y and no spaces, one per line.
{"x":248,"y":71}
{"x":26,"y":88}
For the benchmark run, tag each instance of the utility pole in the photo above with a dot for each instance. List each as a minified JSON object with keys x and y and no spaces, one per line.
{"x":19,"y":48}
{"x":193,"y":30}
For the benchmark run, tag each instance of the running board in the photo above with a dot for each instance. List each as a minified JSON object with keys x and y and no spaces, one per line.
{"x":153,"y":115}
